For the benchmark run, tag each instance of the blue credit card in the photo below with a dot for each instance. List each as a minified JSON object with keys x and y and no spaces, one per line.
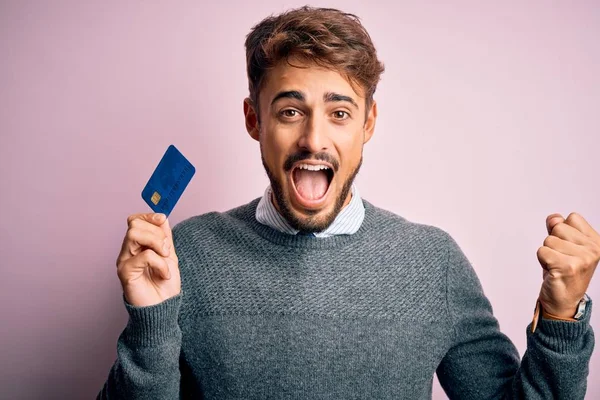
{"x":168,"y":181}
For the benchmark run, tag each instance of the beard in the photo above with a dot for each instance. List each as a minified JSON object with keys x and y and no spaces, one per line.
{"x":311,"y":223}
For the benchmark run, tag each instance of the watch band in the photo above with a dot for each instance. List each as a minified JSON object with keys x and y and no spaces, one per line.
{"x":540,"y":310}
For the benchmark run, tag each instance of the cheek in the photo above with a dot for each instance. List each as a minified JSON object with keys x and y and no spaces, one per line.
{"x":351,"y":151}
{"x":275,"y":149}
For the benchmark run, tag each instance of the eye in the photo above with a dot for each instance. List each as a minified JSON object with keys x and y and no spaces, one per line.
{"x":289,"y":113}
{"x":340,"y":115}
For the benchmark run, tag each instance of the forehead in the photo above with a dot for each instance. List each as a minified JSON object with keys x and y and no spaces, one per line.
{"x":311,"y":79}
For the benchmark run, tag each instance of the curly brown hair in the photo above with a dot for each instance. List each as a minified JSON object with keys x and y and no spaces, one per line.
{"x":326,"y":37}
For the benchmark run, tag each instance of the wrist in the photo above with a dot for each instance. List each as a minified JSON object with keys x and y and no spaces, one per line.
{"x":573,"y":316}
{"x":563,"y":313}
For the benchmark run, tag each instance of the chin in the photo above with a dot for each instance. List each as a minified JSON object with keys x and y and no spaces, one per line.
{"x":317,"y":216}
{"x":311,"y":223}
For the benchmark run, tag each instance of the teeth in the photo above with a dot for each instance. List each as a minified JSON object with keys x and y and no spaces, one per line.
{"x":313,"y":167}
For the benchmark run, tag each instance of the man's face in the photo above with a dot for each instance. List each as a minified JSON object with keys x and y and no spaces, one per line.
{"x":311,"y":132}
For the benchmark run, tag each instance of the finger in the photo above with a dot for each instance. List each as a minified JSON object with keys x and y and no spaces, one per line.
{"x":147,"y":259}
{"x":544,"y":256}
{"x":569,"y":233}
{"x":140,"y":236}
{"x":578,"y":222}
{"x":552,"y":220}
{"x":166,"y":229}
{"x":153,"y":237}
{"x":553,"y":261}
{"x":153,"y":218}
{"x":156,"y":263}
{"x":564,"y":246}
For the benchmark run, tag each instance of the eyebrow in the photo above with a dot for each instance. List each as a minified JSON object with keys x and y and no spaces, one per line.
{"x":289,"y":94}
{"x":335,"y":97}
{"x":327,"y":97}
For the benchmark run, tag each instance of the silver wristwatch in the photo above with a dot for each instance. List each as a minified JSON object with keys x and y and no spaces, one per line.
{"x":581,"y":307}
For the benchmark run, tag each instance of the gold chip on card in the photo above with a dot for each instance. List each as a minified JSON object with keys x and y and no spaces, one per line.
{"x":155,"y":198}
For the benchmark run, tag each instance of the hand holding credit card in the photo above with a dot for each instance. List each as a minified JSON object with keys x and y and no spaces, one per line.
{"x":168,"y":181}
{"x":147,"y":265}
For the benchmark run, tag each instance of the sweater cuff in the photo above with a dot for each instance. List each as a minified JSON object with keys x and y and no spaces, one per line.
{"x":562,"y":336}
{"x":152,"y":325}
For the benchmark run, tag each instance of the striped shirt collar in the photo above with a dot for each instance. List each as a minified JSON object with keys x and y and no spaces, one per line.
{"x":347,"y":222}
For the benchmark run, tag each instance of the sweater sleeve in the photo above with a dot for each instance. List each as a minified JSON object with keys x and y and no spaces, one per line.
{"x":483,"y":363}
{"x":148,"y":350}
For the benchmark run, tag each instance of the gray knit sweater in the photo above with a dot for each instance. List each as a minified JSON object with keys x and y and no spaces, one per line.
{"x":373,"y":315}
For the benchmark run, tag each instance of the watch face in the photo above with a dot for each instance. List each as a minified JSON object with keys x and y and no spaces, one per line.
{"x":581,"y":308}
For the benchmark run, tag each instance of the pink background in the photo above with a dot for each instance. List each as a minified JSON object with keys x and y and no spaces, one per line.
{"x":489,"y":121}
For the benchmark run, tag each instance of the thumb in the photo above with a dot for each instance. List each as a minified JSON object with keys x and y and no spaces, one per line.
{"x":552,"y":220}
{"x":166,"y":227}
{"x":154,"y":218}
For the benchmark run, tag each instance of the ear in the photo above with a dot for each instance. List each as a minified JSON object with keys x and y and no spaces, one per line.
{"x":251,"y":119}
{"x":370,"y":122}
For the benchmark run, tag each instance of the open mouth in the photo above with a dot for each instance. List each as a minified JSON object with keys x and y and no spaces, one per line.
{"x":311,"y":182}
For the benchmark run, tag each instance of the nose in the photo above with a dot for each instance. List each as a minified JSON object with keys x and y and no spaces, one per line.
{"x":314,"y":137}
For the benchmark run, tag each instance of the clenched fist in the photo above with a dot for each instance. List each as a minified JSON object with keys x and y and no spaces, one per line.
{"x":569,"y":256}
{"x":147,"y":266}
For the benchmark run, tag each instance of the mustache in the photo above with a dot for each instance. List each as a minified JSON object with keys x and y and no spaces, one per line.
{"x":306,"y":155}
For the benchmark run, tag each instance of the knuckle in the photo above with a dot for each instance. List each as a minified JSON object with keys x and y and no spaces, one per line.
{"x":572,"y":217}
{"x":576,"y":264}
{"x":130,"y":237}
{"x":135,"y":223}
{"x":548,"y":241}
{"x":147,"y":255}
{"x":131,"y":218}
{"x":595,"y":249}
{"x":540,"y":252}
{"x":589,"y":260}
{"x":134,"y":233}
{"x":569,"y":270}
